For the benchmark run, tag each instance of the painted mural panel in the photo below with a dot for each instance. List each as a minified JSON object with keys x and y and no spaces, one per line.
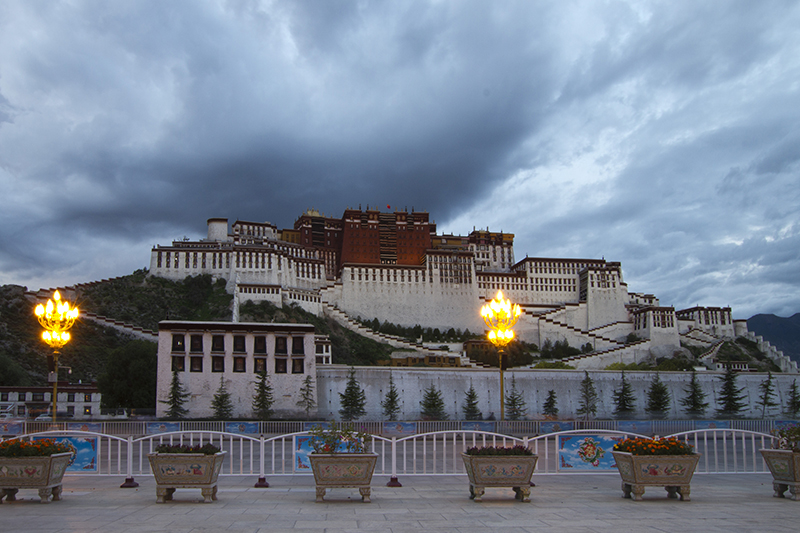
{"x":586,"y":452}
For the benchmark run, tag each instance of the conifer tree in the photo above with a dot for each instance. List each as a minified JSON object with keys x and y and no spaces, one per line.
{"x":793,"y":403}
{"x":307,"y":400}
{"x":587,"y":405}
{"x":470,"y":406}
{"x":391,"y":402}
{"x":516,"y":408}
{"x":624,"y":403}
{"x":658,"y":398}
{"x":262,"y":399}
{"x":221,"y":404}
{"x":730,"y":398}
{"x":766,"y":396}
{"x":176,"y":397}
{"x":432,"y":405}
{"x":549,"y":408}
{"x":353,"y":400}
{"x":694,"y":403}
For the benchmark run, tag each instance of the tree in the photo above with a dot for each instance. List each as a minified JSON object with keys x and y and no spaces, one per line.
{"x":221,"y":403}
{"x":766,"y":396}
{"x":730,"y":398}
{"x":176,"y":397}
{"x":793,"y":404}
{"x":549,"y":408}
{"x":658,"y":398}
{"x":587,"y":405}
{"x":262,"y":399}
{"x":308,"y":400}
{"x":129,"y":379}
{"x":391,"y":402}
{"x":516,"y":408}
{"x":624,"y":402}
{"x":470,"y":406}
{"x":353,"y":400}
{"x":432,"y":405}
{"x":694,"y":404}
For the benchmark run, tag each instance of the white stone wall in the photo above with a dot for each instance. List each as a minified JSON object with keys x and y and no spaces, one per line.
{"x":535,"y":384}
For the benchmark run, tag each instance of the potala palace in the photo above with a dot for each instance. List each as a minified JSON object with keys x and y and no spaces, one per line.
{"x":395,"y":267}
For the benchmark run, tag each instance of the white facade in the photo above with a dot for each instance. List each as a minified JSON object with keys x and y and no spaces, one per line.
{"x":205,"y":354}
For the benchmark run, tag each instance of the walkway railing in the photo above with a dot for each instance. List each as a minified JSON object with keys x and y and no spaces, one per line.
{"x":432,"y":453}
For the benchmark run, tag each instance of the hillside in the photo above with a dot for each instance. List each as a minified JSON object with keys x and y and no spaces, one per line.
{"x":143,"y":301}
{"x":783,"y":333}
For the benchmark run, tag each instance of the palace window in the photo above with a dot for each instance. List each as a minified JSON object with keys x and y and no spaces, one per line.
{"x":196,"y":344}
{"x":178,"y":343}
{"x":280,"y":345}
{"x":298,"y":366}
{"x":218,"y":343}
{"x":218,"y":363}
{"x":195,"y":364}
{"x":238,"y":344}
{"x":280,"y":365}
{"x":298,"y":346}
{"x":259,"y":365}
{"x":178,"y":364}
{"x":87,"y":397}
{"x":239,"y":364}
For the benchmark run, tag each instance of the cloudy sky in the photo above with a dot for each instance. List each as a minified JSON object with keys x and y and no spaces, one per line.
{"x":664,"y":135}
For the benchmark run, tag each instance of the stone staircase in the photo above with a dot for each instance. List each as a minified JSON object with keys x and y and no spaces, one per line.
{"x":547,"y":317}
{"x":128,"y":329}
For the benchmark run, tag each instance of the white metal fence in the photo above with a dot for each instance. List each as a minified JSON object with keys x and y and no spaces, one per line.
{"x":432,"y":453}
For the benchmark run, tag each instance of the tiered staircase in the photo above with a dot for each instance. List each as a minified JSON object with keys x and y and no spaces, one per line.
{"x":547,"y":317}
{"x":128,"y":329}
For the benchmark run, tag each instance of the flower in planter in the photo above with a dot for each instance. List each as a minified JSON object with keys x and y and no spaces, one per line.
{"x":665,"y":446}
{"x":32,"y":448}
{"x":338,"y":438}
{"x":499,"y":450}
{"x":205,"y":449}
{"x":788,"y":437}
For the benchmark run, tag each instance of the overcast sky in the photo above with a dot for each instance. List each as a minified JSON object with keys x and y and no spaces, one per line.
{"x":663,"y":135}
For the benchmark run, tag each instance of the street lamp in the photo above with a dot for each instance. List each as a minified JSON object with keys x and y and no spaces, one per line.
{"x":56,"y":318}
{"x":500,"y":316}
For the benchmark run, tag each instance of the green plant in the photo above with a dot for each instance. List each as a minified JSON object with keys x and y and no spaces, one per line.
{"x":176,"y":397}
{"x":221,"y":403}
{"x":515,"y":402}
{"x":32,"y":448}
{"x":730,"y":398}
{"x":353,"y":400}
{"x":432,"y":405}
{"x":694,"y":404}
{"x":470,"y":407}
{"x":658,"y":398}
{"x":550,"y":404}
{"x":338,"y":437}
{"x":262,"y":399}
{"x":665,"y":446}
{"x":391,"y":403}
{"x":587,"y":405}
{"x":205,"y":449}
{"x":793,"y":401}
{"x":623,"y":399}
{"x":499,"y":450}
{"x":766,"y":397}
{"x":307,"y":399}
{"x":789,"y":437}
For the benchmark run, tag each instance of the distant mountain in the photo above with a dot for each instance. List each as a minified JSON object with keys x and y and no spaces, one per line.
{"x":783,"y":333}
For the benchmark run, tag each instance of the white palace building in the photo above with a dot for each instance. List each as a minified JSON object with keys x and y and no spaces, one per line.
{"x":395,"y":267}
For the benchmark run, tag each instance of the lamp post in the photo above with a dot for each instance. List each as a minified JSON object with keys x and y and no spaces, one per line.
{"x":500,"y":316}
{"x":56,"y":318}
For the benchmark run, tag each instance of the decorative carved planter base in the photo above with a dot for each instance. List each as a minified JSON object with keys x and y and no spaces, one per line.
{"x":673,"y":472}
{"x":343,"y":470}
{"x":509,"y":471}
{"x":785,"y":468}
{"x":186,"y":471}
{"x":42,"y":473}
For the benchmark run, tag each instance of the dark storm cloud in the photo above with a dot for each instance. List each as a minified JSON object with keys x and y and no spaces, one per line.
{"x":662,"y":134}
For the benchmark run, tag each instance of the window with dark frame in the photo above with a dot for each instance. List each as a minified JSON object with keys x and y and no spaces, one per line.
{"x":259,"y":365}
{"x":37,"y":397}
{"x":71,"y":410}
{"x":298,"y":366}
{"x":280,"y":345}
{"x":280,"y":365}
{"x":87,"y":397}
{"x":178,"y":342}
{"x":239,"y":364}
{"x":87,"y":409}
{"x":218,"y":343}
{"x":238,"y":344}
{"x":70,"y":396}
{"x":298,"y":345}
{"x":260,"y":345}
{"x":218,"y":363}
{"x":196,"y":344}
{"x":178,"y":364}
{"x":195,"y":364}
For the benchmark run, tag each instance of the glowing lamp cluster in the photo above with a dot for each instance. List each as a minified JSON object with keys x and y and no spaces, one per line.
{"x":500,"y":315}
{"x":56,"y":318}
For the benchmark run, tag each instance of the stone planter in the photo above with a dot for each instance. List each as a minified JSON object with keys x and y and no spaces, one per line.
{"x":785,"y":468}
{"x":673,"y":472}
{"x":186,"y":471}
{"x":510,"y":471}
{"x":42,"y":473}
{"x":343,"y":470}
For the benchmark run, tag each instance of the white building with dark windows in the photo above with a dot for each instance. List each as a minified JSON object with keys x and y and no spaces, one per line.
{"x":207,"y":354}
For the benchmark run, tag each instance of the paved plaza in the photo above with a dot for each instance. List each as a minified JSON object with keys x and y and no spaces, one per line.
{"x":570,"y":503}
